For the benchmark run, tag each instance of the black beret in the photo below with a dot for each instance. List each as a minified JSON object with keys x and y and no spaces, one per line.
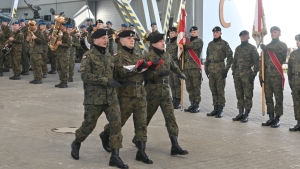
{"x":126,"y":33}
{"x":173,"y":29}
{"x":98,"y":33}
{"x":297,"y":37}
{"x":193,"y":28}
{"x":99,"y":21}
{"x":275,"y":28}
{"x":244,"y":32}
{"x":217,"y":28}
{"x":157,"y":38}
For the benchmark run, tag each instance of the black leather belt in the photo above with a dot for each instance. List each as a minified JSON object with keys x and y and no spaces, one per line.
{"x":215,"y":61}
{"x":161,"y":81}
{"x":296,"y":74}
{"x":244,"y":67}
{"x":128,"y":83}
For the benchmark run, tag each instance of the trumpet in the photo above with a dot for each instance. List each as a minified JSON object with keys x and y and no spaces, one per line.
{"x":74,"y":31}
{"x":30,"y":33}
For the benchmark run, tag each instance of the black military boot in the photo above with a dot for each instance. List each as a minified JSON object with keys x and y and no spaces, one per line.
{"x":25,"y":73}
{"x":38,"y":82}
{"x":105,"y":141}
{"x":297,"y":127}
{"x":12,"y":77}
{"x":176,"y":149}
{"x":177,"y":103}
{"x":245,"y":116}
{"x":190,"y":108}
{"x":239,"y":116}
{"x":270,"y":121}
{"x":44,"y":76}
{"x":57,"y":85}
{"x":214,"y":112}
{"x":220,"y":112}
{"x":134,"y":142}
{"x":16,"y":77}
{"x":63,"y":85}
{"x":70,"y":79}
{"x":276,"y":122}
{"x":52,"y":71}
{"x":196,"y":108}
{"x":115,"y":160}
{"x":33,"y":81}
{"x":75,"y":149}
{"x":141,"y":155}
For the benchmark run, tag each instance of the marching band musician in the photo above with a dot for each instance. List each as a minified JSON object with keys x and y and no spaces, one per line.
{"x":75,"y":44}
{"x":5,"y":33}
{"x":89,"y":37}
{"x":110,"y":33}
{"x":45,"y":32}
{"x":51,"y":55}
{"x":80,"y":49}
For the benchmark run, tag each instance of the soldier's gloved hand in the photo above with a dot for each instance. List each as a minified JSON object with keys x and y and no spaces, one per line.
{"x":113,"y":83}
{"x":207,"y":73}
{"x":224,"y":73}
{"x":142,"y":66}
{"x":252,"y":78}
{"x":155,"y":62}
{"x":164,"y":73}
{"x":182,"y":76}
{"x":261,"y":81}
{"x":262,"y":46}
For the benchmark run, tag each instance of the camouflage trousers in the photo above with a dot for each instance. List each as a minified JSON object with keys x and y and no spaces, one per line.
{"x":25,"y":57}
{"x":36,"y":64}
{"x":217,"y":86}
{"x":273,"y":86}
{"x":175,"y":85}
{"x":45,"y":60}
{"x":15,"y":60}
{"x":159,"y":95}
{"x":193,"y":84}
{"x":296,"y":100}
{"x":6,"y":61}
{"x":62,"y":66}
{"x":52,"y":59}
{"x":72,"y":61}
{"x":243,"y":91}
{"x":111,"y":47}
{"x":137,"y":107}
{"x":91,"y":115}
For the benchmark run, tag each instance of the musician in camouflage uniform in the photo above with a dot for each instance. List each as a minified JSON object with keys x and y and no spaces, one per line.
{"x":100,"y":95}
{"x":245,"y":58}
{"x":110,"y":33}
{"x":25,"y":49}
{"x":150,"y":34}
{"x":80,"y":49}
{"x":89,"y":23}
{"x":75,"y":44}
{"x":45,"y":48}
{"x":273,"y":79}
{"x":89,"y":37}
{"x":5,"y":33}
{"x":215,"y":69}
{"x":137,"y":39}
{"x":51,"y":55}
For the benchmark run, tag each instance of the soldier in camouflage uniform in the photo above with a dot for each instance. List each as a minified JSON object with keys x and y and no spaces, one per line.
{"x":273,"y":80}
{"x":89,"y":23}
{"x":62,"y":57}
{"x":117,"y":40}
{"x":110,"y":33}
{"x":131,"y":95}
{"x":158,"y":90}
{"x":51,"y":55}
{"x":100,"y":95}
{"x":75,"y":44}
{"x":150,"y":34}
{"x":5,"y":33}
{"x":16,"y":41}
{"x":89,"y":36}
{"x":216,"y":70}
{"x":45,"y":48}
{"x":193,"y":71}
{"x":36,"y":42}
{"x":25,"y":49}
{"x":294,"y":81}
{"x":80,"y":50}
{"x":245,"y":57}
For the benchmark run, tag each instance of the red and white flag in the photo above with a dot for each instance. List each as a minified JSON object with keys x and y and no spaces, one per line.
{"x":181,"y":32}
{"x":259,"y":27}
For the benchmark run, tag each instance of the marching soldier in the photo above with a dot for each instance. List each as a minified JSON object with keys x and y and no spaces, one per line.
{"x":83,"y":34}
{"x":217,"y":51}
{"x":192,"y":69}
{"x":5,"y":33}
{"x":175,"y":84}
{"x":89,"y":25}
{"x":294,"y":81}
{"x":110,"y":33}
{"x":100,"y":95}
{"x":36,"y":40}
{"x":45,"y":32}
{"x":275,"y":55}
{"x":150,"y":34}
{"x":137,"y":48}
{"x":75,"y":44}
{"x":62,"y":57}
{"x":158,"y":91}
{"x":245,"y":57}
{"x":131,"y":95}
{"x":51,"y":55}
{"x":25,"y":49}
{"x":16,"y":41}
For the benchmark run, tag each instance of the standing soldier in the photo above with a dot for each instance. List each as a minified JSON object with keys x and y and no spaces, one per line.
{"x":294,"y":81}
{"x":100,"y":95}
{"x":110,"y":33}
{"x":158,"y":90}
{"x":150,"y":34}
{"x":62,"y":57}
{"x":175,"y":85}
{"x":75,"y":44}
{"x":216,"y":70}
{"x":131,"y":95}
{"x":52,"y":56}
{"x":275,"y":55}
{"x":45,"y":48}
{"x":83,"y":34}
{"x":36,"y":40}
{"x":192,"y":69}
{"x":245,"y":57}
{"x":25,"y":49}
{"x":123,"y":28}
{"x":16,"y":41}
{"x":6,"y":33}
{"x":89,"y":25}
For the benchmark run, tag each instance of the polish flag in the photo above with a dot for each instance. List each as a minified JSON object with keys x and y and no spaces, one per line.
{"x":259,"y":27}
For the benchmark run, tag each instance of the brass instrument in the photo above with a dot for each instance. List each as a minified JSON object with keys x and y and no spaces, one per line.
{"x":31,"y":41}
{"x":6,"y":49}
{"x":74,"y":31}
{"x":57,"y":33}
{"x":115,"y":35}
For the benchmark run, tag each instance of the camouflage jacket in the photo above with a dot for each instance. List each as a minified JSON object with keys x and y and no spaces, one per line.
{"x":45,"y":46}
{"x":90,"y":40}
{"x":96,"y":68}
{"x":196,"y":45}
{"x":39,"y":42}
{"x":4,"y":34}
{"x":121,"y":74}
{"x":218,"y":51}
{"x":172,"y":49}
{"x":294,"y":69}
{"x":25,"y":31}
{"x":245,"y":57}
{"x":75,"y":41}
{"x":17,"y":43}
{"x":65,"y":47}
{"x":280,"y":50}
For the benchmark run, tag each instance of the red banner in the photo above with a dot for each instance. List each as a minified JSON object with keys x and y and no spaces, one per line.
{"x":277,"y":65}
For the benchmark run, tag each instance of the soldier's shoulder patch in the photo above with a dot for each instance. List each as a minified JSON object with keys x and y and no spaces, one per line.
{"x":84,"y":57}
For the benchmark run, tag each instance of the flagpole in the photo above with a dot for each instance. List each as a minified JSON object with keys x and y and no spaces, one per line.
{"x":263,"y":79}
{"x":182,"y":81}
